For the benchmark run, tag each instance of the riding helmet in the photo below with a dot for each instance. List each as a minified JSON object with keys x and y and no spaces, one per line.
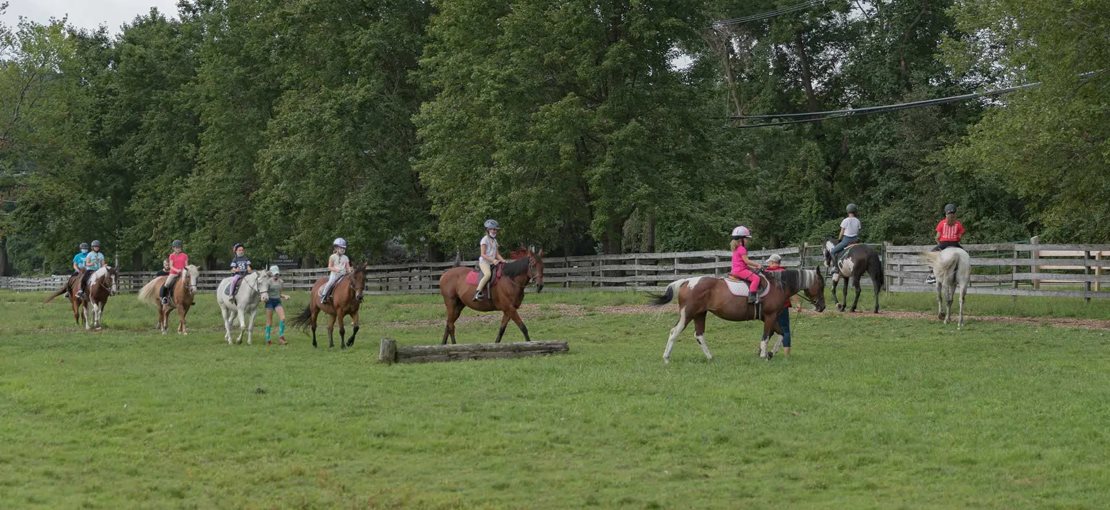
{"x":237,"y":246}
{"x":176,"y":243}
{"x":491,"y":223}
{"x":275,"y":270}
{"x":950,"y":208}
{"x":741,"y":231}
{"x":340,"y":242}
{"x":96,"y":244}
{"x":84,"y":246}
{"x":852,"y":208}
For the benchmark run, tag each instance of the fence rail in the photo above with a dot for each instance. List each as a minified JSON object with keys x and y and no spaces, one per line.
{"x":1015,"y":269}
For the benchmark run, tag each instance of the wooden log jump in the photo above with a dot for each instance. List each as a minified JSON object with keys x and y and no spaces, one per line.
{"x":390,"y":353}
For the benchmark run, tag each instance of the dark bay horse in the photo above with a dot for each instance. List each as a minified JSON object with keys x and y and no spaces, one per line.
{"x":106,"y":285}
{"x":506,"y":294}
{"x":858,"y":259}
{"x":346,"y":298}
{"x":701,"y":295}
{"x":184,"y":289}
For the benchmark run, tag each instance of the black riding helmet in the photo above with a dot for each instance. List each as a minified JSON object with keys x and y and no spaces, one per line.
{"x":852,"y":208}
{"x":950,"y":208}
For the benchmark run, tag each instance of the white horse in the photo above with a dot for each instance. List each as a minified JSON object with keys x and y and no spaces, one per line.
{"x":952,"y":267}
{"x":253,"y":288}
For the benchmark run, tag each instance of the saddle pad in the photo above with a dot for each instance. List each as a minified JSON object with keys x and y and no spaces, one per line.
{"x":740,"y":288}
{"x":473,"y":276}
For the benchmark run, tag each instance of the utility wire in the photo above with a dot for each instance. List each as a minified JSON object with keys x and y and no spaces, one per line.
{"x":768,"y":14}
{"x":798,"y":118}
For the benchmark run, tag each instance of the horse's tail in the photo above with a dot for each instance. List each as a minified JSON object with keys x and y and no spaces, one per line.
{"x":149,"y":292}
{"x":301,"y":321}
{"x":669,"y":293}
{"x":58,"y":292}
{"x":880,"y":274}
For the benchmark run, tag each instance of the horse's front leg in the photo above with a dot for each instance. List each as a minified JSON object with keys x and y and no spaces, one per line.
{"x":855,"y":285}
{"x":940,"y":301}
{"x":963,"y":293}
{"x":182,"y":311}
{"x":354,"y":328}
{"x":241,"y":313}
{"x":342,"y":331}
{"x":520,"y":324}
{"x":250,"y":326}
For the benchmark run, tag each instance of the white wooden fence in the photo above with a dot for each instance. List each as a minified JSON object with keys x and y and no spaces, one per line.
{"x":1015,"y":269}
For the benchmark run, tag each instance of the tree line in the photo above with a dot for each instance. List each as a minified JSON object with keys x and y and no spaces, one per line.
{"x":584,"y":126}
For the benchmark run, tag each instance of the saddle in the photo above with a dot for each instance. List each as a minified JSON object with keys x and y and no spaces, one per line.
{"x":739,"y":287}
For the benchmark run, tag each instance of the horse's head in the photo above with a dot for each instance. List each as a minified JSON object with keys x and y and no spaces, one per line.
{"x":190,"y":276}
{"x":358,"y":280}
{"x":113,"y":280}
{"x":814,"y":288}
{"x":535,"y":267}
{"x":262,"y":279}
{"x":827,"y":252}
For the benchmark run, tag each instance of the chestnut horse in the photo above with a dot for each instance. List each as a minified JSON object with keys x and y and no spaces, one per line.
{"x":184,"y":288}
{"x":505,"y":295}
{"x":703,"y":294}
{"x":97,"y":297}
{"x":346,"y":298}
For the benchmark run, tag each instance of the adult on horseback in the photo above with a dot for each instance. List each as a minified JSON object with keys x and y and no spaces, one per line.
{"x":178,"y":261}
{"x":948,"y":234}
{"x":741,"y":266}
{"x":94,"y":260}
{"x":489,"y":256}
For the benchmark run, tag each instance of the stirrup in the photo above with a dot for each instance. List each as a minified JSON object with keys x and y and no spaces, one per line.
{"x":165,"y":300}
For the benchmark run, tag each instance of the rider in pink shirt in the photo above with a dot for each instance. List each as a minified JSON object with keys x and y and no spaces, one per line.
{"x":741,"y":266}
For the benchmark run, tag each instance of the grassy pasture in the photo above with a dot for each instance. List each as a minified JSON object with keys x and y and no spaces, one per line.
{"x":869,"y":412}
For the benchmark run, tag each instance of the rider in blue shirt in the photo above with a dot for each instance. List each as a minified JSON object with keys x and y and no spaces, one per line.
{"x":94,"y":260}
{"x":79,"y":259}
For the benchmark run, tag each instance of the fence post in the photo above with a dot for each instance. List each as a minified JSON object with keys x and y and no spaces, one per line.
{"x":1013,"y":274}
{"x":1035,"y":240}
{"x":887,"y":266}
{"x":802,"y":256}
{"x":1087,"y":272}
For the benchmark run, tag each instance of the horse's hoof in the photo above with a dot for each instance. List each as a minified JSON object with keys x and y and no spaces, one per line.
{"x":770,"y":355}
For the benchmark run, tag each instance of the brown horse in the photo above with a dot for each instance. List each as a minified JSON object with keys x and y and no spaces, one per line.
{"x":858,"y":259}
{"x":506,"y":294}
{"x":700,"y":295}
{"x":184,"y":288}
{"x":97,"y":297}
{"x":346,"y":298}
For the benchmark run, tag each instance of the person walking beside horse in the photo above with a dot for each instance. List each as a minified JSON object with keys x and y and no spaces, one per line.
{"x":775,"y":268}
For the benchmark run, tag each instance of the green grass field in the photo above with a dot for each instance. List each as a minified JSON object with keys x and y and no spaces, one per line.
{"x":870,"y":412}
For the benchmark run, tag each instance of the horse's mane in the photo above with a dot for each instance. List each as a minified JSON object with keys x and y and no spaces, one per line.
{"x":796,"y":279}
{"x":516,"y":267}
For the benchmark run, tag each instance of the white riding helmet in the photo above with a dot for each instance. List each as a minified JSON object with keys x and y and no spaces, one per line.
{"x":274,"y":270}
{"x":340,"y":242}
{"x":775,"y":257}
{"x":741,"y":231}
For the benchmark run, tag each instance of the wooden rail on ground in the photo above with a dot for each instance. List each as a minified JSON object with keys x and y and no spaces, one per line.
{"x":390,"y":353}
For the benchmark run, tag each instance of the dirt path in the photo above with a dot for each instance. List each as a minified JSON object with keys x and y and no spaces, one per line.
{"x":531,"y":311}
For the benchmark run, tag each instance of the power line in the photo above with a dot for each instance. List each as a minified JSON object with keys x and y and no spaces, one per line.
{"x":797,"y":118}
{"x":768,"y":14}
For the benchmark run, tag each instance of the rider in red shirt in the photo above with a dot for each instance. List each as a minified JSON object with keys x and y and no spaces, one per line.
{"x":949,"y":232}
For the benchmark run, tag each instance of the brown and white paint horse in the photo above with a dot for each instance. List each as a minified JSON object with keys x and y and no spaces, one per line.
{"x":107,"y":284}
{"x":699,"y":296}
